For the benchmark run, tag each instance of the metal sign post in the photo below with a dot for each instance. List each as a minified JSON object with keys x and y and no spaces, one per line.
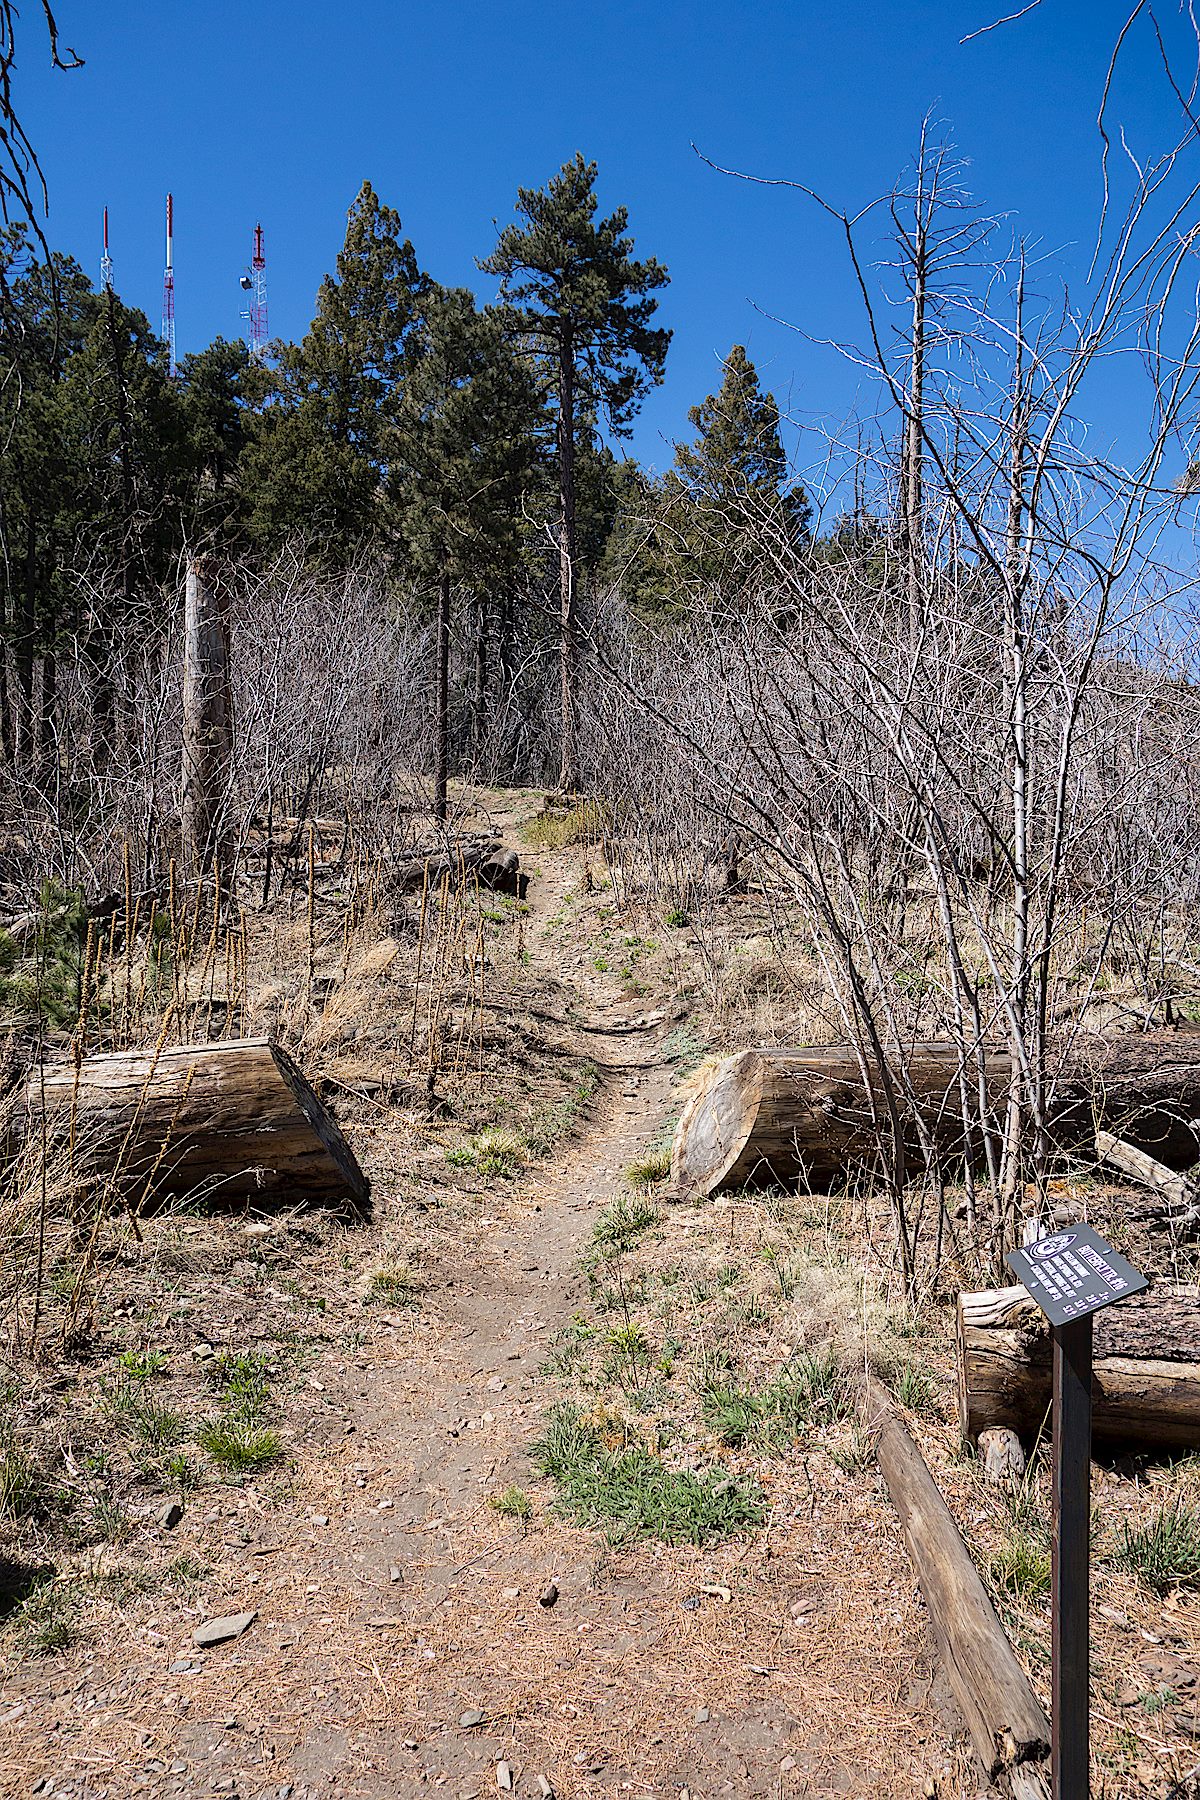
{"x":1072,"y":1274}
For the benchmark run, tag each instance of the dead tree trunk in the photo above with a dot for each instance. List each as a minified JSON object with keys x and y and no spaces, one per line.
{"x":441,"y":703}
{"x":1145,"y":1370}
{"x":207,"y":730}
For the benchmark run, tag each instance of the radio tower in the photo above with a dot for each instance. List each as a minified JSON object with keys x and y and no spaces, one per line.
{"x":106,"y":266}
{"x":168,"y":312}
{"x":255,"y":284}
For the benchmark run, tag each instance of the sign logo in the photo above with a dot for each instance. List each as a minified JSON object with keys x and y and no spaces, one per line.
{"x":1052,"y":1246}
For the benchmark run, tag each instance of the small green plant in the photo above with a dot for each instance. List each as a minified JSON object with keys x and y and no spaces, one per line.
{"x":654,"y":1166}
{"x":242,"y":1377}
{"x":567,"y":1347}
{"x":1020,"y":1567}
{"x":111,"y":1521}
{"x":783,"y":1271}
{"x":561,"y":1118}
{"x":809,"y":1393}
{"x":236,"y":1444}
{"x":22,"y":1486}
{"x":127,"y":1399}
{"x":43,"y":979}
{"x":462,"y":1157}
{"x":499,"y":1152}
{"x":633,"y":1493}
{"x":1165,"y":1552}
{"x":621,"y":1224}
{"x":238,"y":1439}
{"x":393,"y":1282}
{"x":182,"y":1570}
{"x":513,"y":1503}
{"x":181,"y":1472}
{"x":142,"y":1365}
{"x":45,"y":1619}
{"x":914,"y":1389}
{"x":733,"y":1415}
{"x":676,"y":918}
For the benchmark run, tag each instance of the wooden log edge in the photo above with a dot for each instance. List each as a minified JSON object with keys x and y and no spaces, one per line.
{"x":1007,"y":1725}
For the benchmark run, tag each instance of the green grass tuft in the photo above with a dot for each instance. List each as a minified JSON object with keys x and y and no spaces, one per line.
{"x":1020,"y":1568}
{"x":621,"y":1224}
{"x":1165,"y":1552}
{"x":810,"y":1393}
{"x":237,"y":1444}
{"x":654,"y":1166}
{"x":513,"y":1503}
{"x":634,"y":1493}
{"x":555,"y":830}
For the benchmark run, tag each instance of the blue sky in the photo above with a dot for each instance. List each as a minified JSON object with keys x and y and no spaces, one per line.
{"x":280,"y":108}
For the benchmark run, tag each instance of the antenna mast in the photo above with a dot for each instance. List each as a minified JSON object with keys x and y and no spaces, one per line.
{"x":255,"y":284}
{"x":168,"y":307}
{"x":106,"y":263}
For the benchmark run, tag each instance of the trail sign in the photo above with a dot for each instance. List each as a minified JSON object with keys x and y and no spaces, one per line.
{"x":1071,"y":1274}
{"x":1074,"y":1272}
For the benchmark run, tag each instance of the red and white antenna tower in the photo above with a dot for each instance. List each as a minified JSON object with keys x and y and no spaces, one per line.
{"x":255,"y":284}
{"x":168,"y":312}
{"x":106,"y":262}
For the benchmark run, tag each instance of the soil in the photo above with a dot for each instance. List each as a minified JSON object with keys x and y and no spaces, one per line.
{"x":403,"y":1640}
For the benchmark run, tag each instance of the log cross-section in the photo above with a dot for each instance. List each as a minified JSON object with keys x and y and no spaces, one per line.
{"x":222,"y":1121}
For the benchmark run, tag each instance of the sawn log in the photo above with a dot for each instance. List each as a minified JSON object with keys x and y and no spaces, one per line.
{"x":1009,"y":1731}
{"x":220,"y":1121}
{"x":811,"y":1115}
{"x":1145,"y":1370}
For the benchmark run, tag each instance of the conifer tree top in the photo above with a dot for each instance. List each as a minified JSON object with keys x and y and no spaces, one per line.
{"x":577,"y":291}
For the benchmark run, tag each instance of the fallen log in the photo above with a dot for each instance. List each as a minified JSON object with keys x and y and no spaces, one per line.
{"x":1178,"y":1205}
{"x":810,"y":1115}
{"x":460,"y":862}
{"x":1009,"y":1731}
{"x":222,"y":1121}
{"x":1145,"y":1369}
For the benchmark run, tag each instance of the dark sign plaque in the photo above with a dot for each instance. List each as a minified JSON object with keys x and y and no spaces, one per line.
{"x":1073,"y":1272}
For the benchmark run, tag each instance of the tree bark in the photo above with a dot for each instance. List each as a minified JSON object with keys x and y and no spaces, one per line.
{"x":568,"y":778}
{"x":810,"y":1115}
{"x":220,"y":1121}
{"x":479,"y":696}
{"x":1007,"y":1725}
{"x":1145,"y":1369}
{"x":207,"y":745}
{"x":441,"y":704}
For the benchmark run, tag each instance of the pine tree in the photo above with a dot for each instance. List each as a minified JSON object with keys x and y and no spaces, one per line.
{"x":317,"y":464}
{"x":585,"y":306}
{"x":463,"y":450}
{"x":733,"y":479}
{"x":738,"y":454}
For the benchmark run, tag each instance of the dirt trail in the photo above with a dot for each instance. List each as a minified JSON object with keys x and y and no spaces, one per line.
{"x":393,"y":1601}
